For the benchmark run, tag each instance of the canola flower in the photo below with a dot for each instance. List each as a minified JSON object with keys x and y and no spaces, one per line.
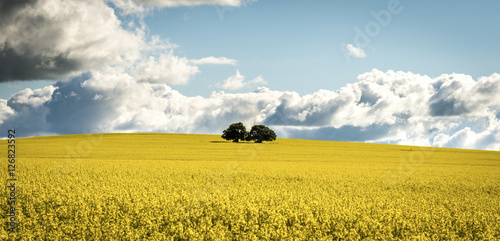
{"x":199,"y":187}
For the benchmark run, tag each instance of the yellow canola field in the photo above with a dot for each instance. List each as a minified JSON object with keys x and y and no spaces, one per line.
{"x":194,"y":187}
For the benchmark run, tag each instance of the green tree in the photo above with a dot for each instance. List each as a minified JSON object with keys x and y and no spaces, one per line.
{"x":260,"y":133}
{"x":235,"y":132}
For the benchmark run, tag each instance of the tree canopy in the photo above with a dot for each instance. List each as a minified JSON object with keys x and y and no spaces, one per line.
{"x":260,"y":133}
{"x":235,"y":132}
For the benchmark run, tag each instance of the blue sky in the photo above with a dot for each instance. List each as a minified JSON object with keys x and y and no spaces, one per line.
{"x":400,"y":72}
{"x":295,"y":46}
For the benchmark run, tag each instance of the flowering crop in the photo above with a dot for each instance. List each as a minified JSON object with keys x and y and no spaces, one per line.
{"x":192,"y":187}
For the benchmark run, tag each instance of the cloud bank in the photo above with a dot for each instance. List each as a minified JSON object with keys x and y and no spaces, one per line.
{"x":452,"y":110}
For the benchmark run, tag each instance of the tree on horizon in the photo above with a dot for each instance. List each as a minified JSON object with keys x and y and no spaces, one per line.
{"x":260,"y":133}
{"x":235,"y":132}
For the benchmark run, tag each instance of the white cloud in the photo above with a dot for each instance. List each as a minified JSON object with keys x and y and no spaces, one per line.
{"x":214,"y":60}
{"x":237,"y":81}
{"x":167,"y":68}
{"x":26,"y":112}
{"x":5,"y":111}
{"x":52,"y":39}
{"x":355,"y":51}
{"x":386,"y":107}
{"x":32,"y":98}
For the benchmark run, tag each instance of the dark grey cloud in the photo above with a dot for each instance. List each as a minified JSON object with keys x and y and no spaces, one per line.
{"x":345,"y":133}
{"x":308,"y":114}
{"x":9,"y":8}
{"x":445,"y":102}
{"x":448,"y":107}
{"x":368,"y":96}
{"x":15,"y":66}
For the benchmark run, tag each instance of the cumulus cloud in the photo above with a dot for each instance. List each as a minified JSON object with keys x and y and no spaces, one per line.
{"x":237,"y":81}
{"x":472,"y":137}
{"x":167,"y":68}
{"x":385,"y":107}
{"x":127,"y":105}
{"x":355,"y":51}
{"x":56,"y":39}
{"x":52,"y":39}
{"x":214,"y":60}
{"x":25,"y":112}
{"x":5,"y":111}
